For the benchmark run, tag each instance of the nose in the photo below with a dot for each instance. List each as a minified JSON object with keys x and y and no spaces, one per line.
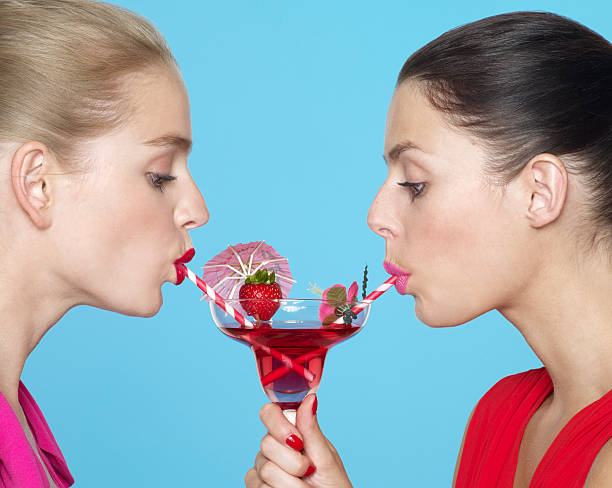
{"x":191,"y":211}
{"x":382,"y":217}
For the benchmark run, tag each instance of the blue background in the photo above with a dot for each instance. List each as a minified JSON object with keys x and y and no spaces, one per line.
{"x":288,"y":100}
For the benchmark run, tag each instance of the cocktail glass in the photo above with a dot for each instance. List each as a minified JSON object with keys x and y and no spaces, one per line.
{"x":294,"y":332}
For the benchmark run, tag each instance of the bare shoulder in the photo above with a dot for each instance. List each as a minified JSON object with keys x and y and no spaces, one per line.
{"x":600,"y":475}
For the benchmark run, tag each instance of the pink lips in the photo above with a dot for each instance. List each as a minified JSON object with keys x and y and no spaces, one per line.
{"x":402,"y":276}
{"x":178,"y":265}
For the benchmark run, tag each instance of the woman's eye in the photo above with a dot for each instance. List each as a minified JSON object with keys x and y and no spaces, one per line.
{"x":415,"y":188}
{"x":159,"y":180}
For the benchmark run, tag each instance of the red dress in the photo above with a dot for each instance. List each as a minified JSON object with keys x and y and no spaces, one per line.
{"x":493,"y":438}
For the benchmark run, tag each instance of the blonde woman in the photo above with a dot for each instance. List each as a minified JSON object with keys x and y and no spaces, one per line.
{"x":498,"y":196}
{"x":96,"y":199}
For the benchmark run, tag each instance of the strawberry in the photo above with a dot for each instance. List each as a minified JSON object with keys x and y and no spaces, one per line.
{"x":260,"y":294}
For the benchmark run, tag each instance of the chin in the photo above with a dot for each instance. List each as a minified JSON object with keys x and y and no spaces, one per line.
{"x":134,"y":303}
{"x":439,"y":316}
{"x":143,"y":308}
{"x":148,"y":314}
{"x":152,"y":308}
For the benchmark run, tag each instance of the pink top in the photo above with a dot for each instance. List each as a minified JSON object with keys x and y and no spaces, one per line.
{"x":19,"y":466}
{"x":493,"y":438}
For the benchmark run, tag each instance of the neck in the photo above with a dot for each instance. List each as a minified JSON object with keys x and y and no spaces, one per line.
{"x":569,"y":327}
{"x":30,"y":304}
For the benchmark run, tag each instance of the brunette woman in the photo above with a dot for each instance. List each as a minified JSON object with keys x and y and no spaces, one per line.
{"x":499,"y":196}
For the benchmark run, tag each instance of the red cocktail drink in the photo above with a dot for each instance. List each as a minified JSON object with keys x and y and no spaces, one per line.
{"x":307,"y":345}
{"x":289,"y":349}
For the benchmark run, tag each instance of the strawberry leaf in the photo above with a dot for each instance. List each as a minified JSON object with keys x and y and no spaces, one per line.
{"x":261,"y":276}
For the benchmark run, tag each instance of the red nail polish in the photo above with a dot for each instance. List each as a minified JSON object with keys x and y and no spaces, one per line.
{"x":294,"y":442}
{"x":311,"y":469}
{"x":315,"y":404}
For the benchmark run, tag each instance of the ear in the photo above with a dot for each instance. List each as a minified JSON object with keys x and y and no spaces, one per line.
{"x":29,"y":168}
{"x":546,"y":179}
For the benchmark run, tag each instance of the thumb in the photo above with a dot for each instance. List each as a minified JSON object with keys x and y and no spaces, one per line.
{"x":316,"y":446}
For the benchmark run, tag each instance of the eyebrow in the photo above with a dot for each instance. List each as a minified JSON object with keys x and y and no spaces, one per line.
{"x":394,"y":153}
{"x":169,"y":140}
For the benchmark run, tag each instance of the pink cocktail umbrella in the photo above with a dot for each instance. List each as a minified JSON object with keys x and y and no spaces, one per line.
{"x":228,"y":269}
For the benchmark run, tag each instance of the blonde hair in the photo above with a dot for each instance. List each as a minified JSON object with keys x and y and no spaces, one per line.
{"x":64,"y":66}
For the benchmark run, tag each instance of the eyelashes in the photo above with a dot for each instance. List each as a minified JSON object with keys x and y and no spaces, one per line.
{"x":159,"y":180}
{"x":416,"y":189}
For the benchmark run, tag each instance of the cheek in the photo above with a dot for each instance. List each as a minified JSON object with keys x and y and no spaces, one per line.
{"x":461,"y":255}
{"x":446,"y":233}
{"x":128,"y":241}
{"x":139,"y":247}
{"x":138,"y":236}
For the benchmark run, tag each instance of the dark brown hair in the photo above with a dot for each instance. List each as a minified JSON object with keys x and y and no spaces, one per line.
{"x":523,"y":84}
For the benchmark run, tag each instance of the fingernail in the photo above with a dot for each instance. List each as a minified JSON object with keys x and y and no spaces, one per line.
{"x":311,"y":469}
{"x":294,"y":442}
{"x":315,"y":404}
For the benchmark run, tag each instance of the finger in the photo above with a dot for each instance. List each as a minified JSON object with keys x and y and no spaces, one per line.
{"x":274,"y":476}
{"x":286,"y":458}
{"x":279,"y":427}
{"x":335,"y":453}
{"x":260,"y":459}
{"x":252,"y":480}
{"x":316,"y":446}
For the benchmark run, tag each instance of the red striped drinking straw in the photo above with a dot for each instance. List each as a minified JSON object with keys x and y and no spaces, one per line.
{"x":286,"y":360}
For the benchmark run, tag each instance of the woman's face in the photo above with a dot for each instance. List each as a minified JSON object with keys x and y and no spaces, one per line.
{"x":458,"y":236}
{"x":122,"y":223}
